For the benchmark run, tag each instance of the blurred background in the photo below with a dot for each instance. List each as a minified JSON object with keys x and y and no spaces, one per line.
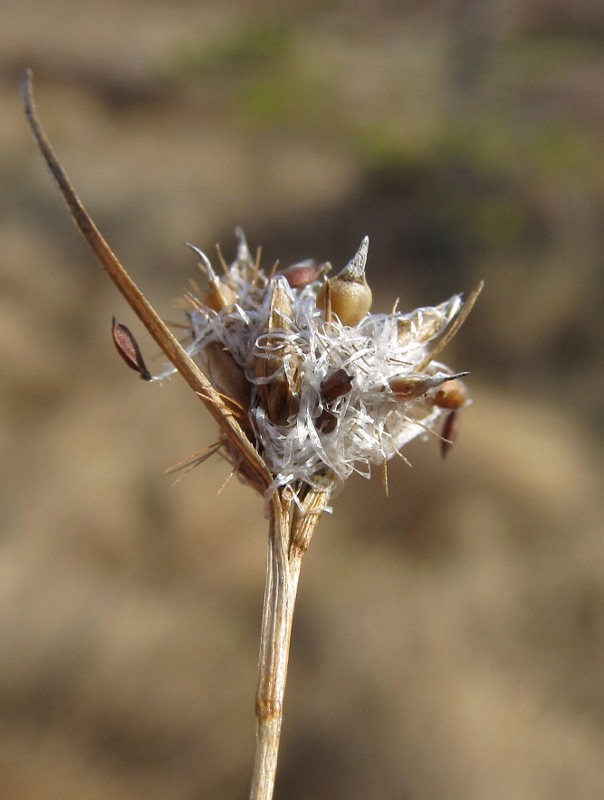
{"x":449,"y":639}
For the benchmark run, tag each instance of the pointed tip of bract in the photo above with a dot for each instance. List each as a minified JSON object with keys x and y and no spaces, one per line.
{"x":243,"y":252}
{"x":355,"y":269}
{"x":202,"y":256}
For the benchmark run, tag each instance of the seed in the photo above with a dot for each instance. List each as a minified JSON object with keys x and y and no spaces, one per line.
{"x":336,"y":385}
{"x":300,"y":275}
{"x":452,"y":394}
{"x":349,"y":295}
{"x":128,"y":349}
{"x":326,"y":421}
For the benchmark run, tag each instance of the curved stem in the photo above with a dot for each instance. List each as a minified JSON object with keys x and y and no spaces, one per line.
{"x":256,"y":470}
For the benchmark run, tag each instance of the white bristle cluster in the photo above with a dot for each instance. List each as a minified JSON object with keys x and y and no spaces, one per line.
{"x":369,"y":423}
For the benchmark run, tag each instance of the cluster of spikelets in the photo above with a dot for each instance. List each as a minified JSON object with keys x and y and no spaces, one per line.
{"x":320,"y":386}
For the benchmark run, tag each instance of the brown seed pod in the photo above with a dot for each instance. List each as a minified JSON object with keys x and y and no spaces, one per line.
{"x":452,"y":394}
{"x":326,"y":421}
{"x":127,"y":347}
{"x":278,"y":365}
{"x":336,"y":385}
{"x":414,"y":385}
{"x":349,"y":294}
{"x":300,"y":275}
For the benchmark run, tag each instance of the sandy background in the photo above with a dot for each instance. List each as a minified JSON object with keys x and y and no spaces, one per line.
{"x":449,"y":641}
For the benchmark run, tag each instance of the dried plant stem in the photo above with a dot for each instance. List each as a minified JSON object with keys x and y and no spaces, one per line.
{"x":290,"y":532}
{"x":257,"y":471}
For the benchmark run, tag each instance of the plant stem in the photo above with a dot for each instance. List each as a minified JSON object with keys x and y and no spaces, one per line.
{"x":289,"y":535}
{"x":256,"y":472}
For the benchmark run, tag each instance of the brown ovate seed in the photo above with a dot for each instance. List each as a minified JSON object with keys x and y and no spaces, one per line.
{"x":128,"y":349}
{"x":336,"y":385}
{"x":452,"y":394}
{"x":326,"y":421}
{"x":300,"y":275}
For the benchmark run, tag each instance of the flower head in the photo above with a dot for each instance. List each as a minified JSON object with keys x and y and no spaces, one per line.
{"x":321,"y":386}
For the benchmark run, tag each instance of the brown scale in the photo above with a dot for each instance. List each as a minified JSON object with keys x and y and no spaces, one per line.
{"x":336,"y":385}
{"x":279,"y":395}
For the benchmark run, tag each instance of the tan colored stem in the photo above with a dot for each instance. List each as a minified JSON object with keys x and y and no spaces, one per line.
{"x":256,"y":468}
{"x":289,"y":536}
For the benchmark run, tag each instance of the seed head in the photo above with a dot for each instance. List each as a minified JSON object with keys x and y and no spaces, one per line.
{"x":322,"y":387}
